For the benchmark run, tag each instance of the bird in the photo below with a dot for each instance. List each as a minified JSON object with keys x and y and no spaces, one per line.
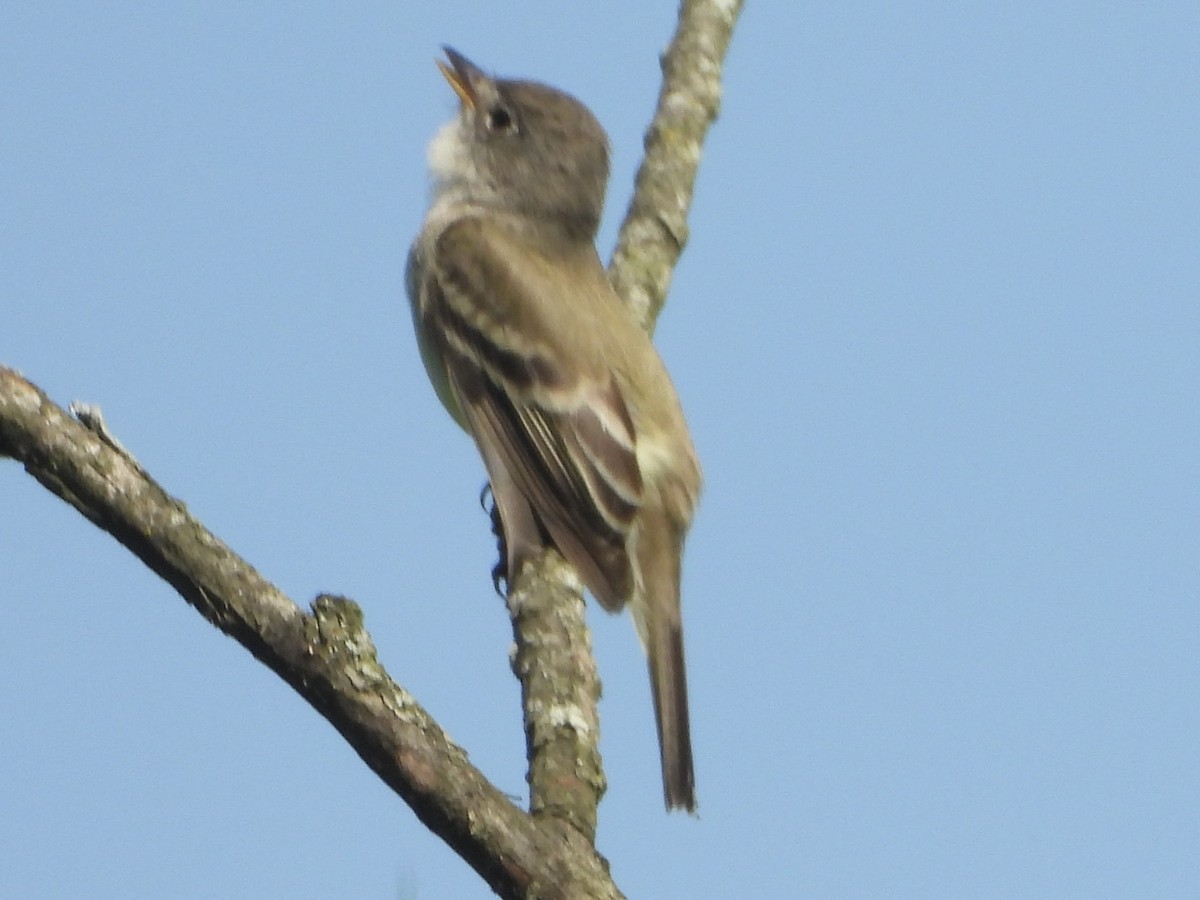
{"x":534,"y":355}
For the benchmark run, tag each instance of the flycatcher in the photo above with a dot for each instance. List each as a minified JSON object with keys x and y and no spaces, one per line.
{"x":535,"y":356}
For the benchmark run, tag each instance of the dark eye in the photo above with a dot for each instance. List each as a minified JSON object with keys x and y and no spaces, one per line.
{"x":499,"y":119}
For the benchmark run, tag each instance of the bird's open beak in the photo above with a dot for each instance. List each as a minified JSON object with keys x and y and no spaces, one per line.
{"x":462,"y":75}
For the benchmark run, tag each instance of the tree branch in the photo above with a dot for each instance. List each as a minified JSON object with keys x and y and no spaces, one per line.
{"x":559,"y":693}
{"x":325,"y":655}
{"x":559,"y":684}
{"x":655,"y":229}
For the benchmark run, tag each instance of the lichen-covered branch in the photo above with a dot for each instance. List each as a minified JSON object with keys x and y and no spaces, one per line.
{"x":559,"y":693}
{"x":325,"y":655}
{"x":553,"y":659}
{"x":655,"y":229}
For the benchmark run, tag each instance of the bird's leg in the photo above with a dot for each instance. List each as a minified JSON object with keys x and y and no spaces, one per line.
{"x":500,"y":573}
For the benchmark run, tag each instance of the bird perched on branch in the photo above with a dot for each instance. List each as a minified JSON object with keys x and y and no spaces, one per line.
{"x":535,"y":356}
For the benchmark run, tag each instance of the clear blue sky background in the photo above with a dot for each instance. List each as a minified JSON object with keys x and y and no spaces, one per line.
{"x":938,"y":334}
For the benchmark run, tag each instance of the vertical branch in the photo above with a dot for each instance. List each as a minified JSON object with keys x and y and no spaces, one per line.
{"x":559,"y":684}
{"x":559,"y":692}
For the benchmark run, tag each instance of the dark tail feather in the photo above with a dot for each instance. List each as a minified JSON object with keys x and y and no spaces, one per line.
{"x":668,"y":679}
{"x":659,"y":545}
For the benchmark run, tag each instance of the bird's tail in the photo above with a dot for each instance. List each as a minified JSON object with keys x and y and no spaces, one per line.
{"x":657,"y":612}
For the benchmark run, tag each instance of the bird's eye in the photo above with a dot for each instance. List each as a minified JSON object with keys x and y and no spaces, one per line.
{"x":499,"y":119}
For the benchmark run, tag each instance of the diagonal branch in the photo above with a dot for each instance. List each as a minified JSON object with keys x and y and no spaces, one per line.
{"x":325,"y":655}
{"x":655,"y":229}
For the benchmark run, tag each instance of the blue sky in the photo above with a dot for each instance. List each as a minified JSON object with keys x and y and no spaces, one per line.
{"x":937,"y":335}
